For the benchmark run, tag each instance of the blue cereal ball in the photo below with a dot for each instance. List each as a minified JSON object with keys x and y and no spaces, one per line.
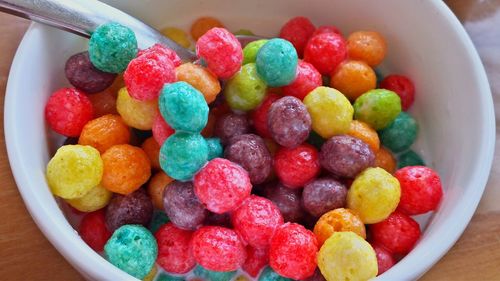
{"x":133,"y":249}
{"x":214,"y":148}
{"x":270,"y":275}
{"x":158,"y":220}
{"x":209,"y":275}
{"x":111,"y":47}
{"x":183,"y":154}
{"x":183,"y":107}
{"x":400,"y":134}
{"x":277,"y":62}
{"x":409,"y":158}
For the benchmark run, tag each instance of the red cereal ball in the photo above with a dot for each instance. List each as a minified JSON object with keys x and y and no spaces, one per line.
{"x":256,"y":219}
{"x":218,"y":248}
{"x":162,"y":50}
{"x":385,"y":260}
{"x":326,"y":51}
{"x":221,"y":51}
{"x":259,"y":115}
{"x":402,"y":86}
{"x":222,"y":185}
{"x":421,"y":190}
{"x":307,"y":79}
{"x":93,"y":230}
{"x":293,"y":250}
{"x":296,"y":166}
{"x":256,"y":260}
{"x":67,"y":111}
{"x":298,"y":30}
{"x":326,"y":29}
{"x":161,"y":129}
{"x":398,"y":233}
{"x":174,"y":252}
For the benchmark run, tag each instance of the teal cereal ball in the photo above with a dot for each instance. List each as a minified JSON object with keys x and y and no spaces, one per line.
{"x":400,"y":134}
{"x":378,"y":108}
{"x":409,"y":158}
{"x":158,"y":220}
{"x":209,"y":275}
{"x":251,"y":49}
{"x":268,"y":274}
{"x":183,"y":154}
{"x":215,"y":149}
{"x":111,"y":47}
{"x":246,"y":90}
{"x":133,"y":249}
{"x":183,"y":107}
{"x":277,"y":62}
{"x":167,"y":277}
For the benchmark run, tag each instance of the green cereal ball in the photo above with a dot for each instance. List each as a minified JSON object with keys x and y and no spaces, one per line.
{"x":111,"y":47}
{"x":159,"y":219}
{"x":246,"y":90}
{"x":400,"y":134}
{"x":277,"y":62}
{"x":214,"y":148}
{"x":133,"y":249}
{"x":378,"y":108}
{"x":209,"y":275}
{"x":409,"y":158}
{"x":268,"y":274}
{"x":250,"y":50}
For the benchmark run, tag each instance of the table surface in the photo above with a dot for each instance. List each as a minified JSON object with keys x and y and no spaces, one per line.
{"x":25,"y":254}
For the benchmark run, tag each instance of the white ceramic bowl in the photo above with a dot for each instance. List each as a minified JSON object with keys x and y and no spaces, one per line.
{"x":426,"y":42}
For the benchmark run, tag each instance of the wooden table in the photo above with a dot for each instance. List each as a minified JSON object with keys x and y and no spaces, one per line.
{"x":25,"y":254}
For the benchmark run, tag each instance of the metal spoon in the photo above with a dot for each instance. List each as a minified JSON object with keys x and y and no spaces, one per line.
{"x":82,"y":17}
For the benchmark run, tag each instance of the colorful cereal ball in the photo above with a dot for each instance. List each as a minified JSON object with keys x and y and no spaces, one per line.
{"x":385,"y":160}
{"x":202,"y":25}
{"x":323,"y":195}
{"x":222,"y":185}
{"x":292,"y":252}
{"x":326,"y":29}
{"x":74,"y":171}
{"x":402,"y":86}
{"x":231,"y":125}
{"x":257,"y":258}
{"x":347,"y":256}
{"x":200,"y":78}
{"x":286,"y":199}
{"x":374,"y":195}
{"x":364,"y":132}
{"x":338,"y":220}
{"x":398,"y":233}
{"x":307,"y":79}
{"x":259,"y":115}
{"x":93,"y":230}
{"x":174,"y":254}
{"x":136,"y":114}
{"x":353,"y":78}
{"x":126,"y":168}
{"x":183,"y":154}
{"x":246,"y":90}
{"x":103,"y":103}
{"x":218,"y":248}
{"x":182,"y":206}
{"x":277,"y":62}
{"x":156,"y":187}
{"x":158,"y":220}
{"x":215,"y":149}
{"x":297,"y":166}
{"x":152,"y":150}
{"x":97,"y":198}
{"x":289,"y":121}
{"x":183,"y":107}
{"x":161,"y":129}
{"x":84,"y":76}
{"x":210,"y":275}
{"x":251,"y":49}
{"x":409,"y":158}
{"x":385,"y":260}
{"x":177,"y":35}
{"x":104,"y":132}
{"x":270,"y":275}
{"x":331,"y":112}
{"x":111,"y":47}
{"x":160,"y":50}
{"x":134,"y":208}
{"x":256,"y":220}
{"x":378,"y":108}
{"x":298,"y":30}
{"x":221,"y":52}
{"x":421,"y":190}
{"x":133,"y":249}
{"x":326,"y":51}
{"x":67,"y":111}
{"x":367,"y":46}
{"x":399,"y":135}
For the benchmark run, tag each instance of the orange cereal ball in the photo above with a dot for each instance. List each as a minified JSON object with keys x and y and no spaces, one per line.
{"x":208,"y":131}
{"x":104,"y":132}
{"x":336,"y":221}
{"x":385,"y":160}
{"x":200,"y":78}
{"x":156,"y":187}
{"x":135,"y":113}
{"x":178,"y":35}
{"x":364,"y":132}
{"x":103,"y":103}
{"x":152,"y":149}
{"x":367,"y":46}
{"x":202,"y":25}
{"x":126,"y":168}
{"x":353,"y":78}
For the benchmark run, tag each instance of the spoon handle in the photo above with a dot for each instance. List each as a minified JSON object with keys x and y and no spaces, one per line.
{"x":82,"y":17}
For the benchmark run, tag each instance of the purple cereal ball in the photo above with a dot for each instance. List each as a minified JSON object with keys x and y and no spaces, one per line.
{"x":323,"y":195}
{"x":182,"y":206}
{"x":84,"y":76}
{"x":231,"y":125}
{"x":251,"y":153}
{"x":346,"y":156}
{"x":289,"y":121}
{"x":286,"y":199}
{"x":133,"y":208}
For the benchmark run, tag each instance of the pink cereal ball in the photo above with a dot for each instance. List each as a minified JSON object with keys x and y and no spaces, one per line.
{"x":161,"y":129}
{"x":326,"y":29}
{"x":298,"y":30}
{"x":160,"y":49}
{"x":307,"y":79}
{"x":326,"y":51}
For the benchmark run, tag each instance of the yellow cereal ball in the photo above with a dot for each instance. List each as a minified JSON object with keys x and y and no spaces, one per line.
{"x":200,"y":78}
{"x":374,"y":195}
{"x":346,"y":256}
{"x":136,"y":114}
{"x":97,"y":198}
{"x":331,"y":112}
{"x":74,"y":170}
{"x":151,"y":275}
{"x":178,"y":35}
